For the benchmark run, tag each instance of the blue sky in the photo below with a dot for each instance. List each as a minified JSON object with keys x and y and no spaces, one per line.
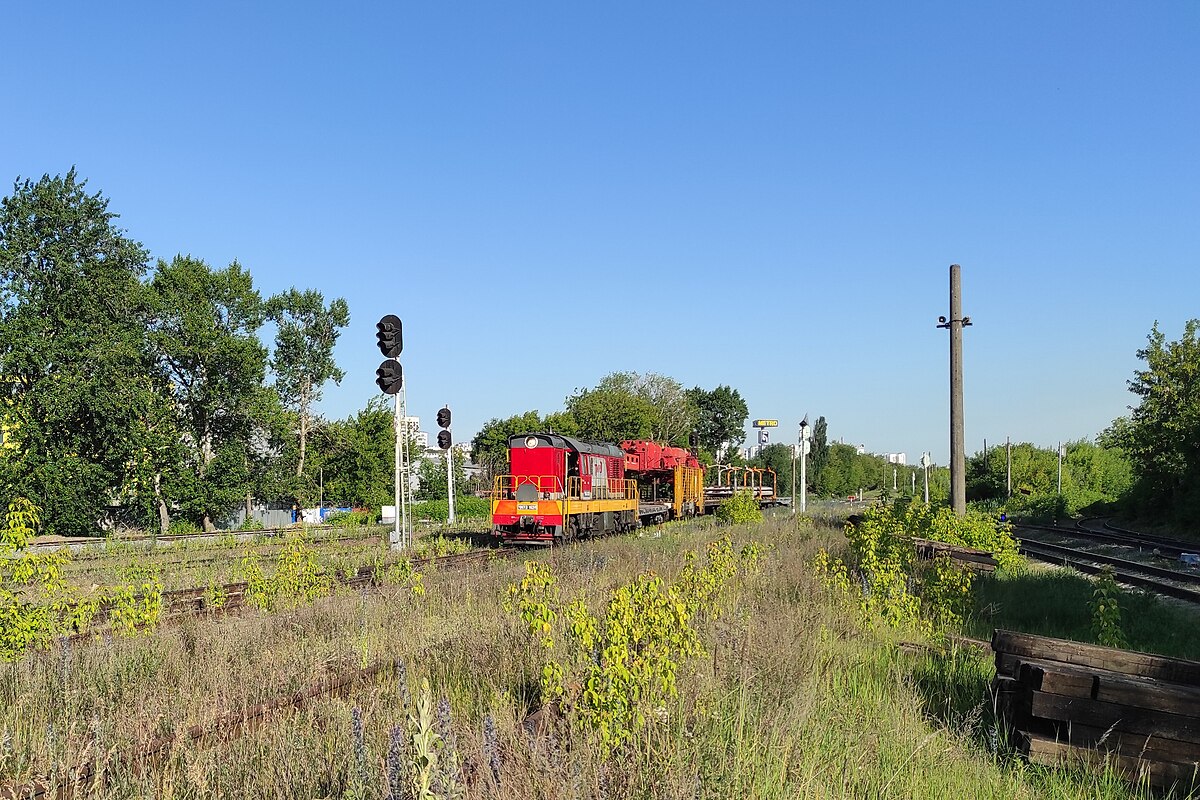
{"x":765,"y":195}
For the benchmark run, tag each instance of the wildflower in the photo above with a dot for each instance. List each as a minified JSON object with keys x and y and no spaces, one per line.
{"x":491,"y":747}
{"x":397,"y":786}
{"x":360,"y":744}
{"x":450,"y":742}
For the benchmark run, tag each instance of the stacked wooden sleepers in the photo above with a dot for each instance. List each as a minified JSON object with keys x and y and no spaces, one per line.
{"x":968,"y":557}
{"x":1067,"y":701}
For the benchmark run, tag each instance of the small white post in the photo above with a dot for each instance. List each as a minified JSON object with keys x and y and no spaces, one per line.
{"x":395,"y":541}
{"x":450,"y":479}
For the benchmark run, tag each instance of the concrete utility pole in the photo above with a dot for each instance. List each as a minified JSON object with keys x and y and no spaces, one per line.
{"x":956,"y":323}
{"x":1008,"y":466}
{"x":1060,"y":458}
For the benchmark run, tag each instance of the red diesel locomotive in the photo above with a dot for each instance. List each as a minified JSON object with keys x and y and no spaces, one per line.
{"x":560,"y":488}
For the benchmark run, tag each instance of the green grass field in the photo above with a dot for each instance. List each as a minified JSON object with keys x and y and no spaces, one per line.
{"x":790,"y":694}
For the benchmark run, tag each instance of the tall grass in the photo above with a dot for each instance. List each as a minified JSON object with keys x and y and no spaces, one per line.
{"x":1055,"y":602}
{"x":793,"y":698}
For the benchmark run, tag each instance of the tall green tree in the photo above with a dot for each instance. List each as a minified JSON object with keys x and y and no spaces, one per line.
{"x":306,"y":331}
{"x":431,"y":476}
{"x":720,"y":420}
{"x":1162,"y":437}
{"x":818,"y":455}
{"x":611,"y":414}
{"x":489,"y":448}
{"x":355,"y":457}
{"x":204,"y":334}
{"x":672,"y":415}
{"x":847,"y":471}
{"x":72,"y":350}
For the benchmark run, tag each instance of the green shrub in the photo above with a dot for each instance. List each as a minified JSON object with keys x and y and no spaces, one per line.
{"x":350,"y":519}
{"x":742,"y":507}
{"x":466,"y":507}
{"x":894,"y":584}
{"x":178,"y":526}
{"x":1106,"y":611}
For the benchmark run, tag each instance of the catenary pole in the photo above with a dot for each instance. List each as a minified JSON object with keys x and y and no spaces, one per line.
{"x":956,"y":323}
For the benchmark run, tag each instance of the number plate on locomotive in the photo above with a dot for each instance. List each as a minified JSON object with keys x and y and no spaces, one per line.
{"x":526,"y":506}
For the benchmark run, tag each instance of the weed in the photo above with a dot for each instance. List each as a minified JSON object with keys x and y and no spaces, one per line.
{"x":1106,"y":610}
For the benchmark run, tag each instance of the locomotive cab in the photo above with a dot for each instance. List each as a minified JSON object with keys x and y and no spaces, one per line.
{"x":561,"y":488}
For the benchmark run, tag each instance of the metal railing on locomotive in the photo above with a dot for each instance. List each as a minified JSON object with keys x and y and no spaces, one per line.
{"x":612,"y":489}
{"x":549,"y":487}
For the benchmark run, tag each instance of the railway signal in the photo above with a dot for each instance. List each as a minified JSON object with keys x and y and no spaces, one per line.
{"x":444,"y":440}
{"x":389,"y":377}
{"x":389,"y":335}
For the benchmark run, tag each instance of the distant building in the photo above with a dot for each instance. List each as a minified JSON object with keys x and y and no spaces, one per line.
{"x":420,"y":439}
{"x":896,"y":458}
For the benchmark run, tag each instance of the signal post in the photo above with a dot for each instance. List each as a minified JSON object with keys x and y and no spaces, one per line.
{"x":445,"y":440}
{"x":389,"y":377}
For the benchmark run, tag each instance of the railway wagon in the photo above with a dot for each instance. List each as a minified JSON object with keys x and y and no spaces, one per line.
{"x":670,"y":480}
{"x":560,"y":488}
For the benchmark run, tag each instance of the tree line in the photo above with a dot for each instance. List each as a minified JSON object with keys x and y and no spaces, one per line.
{"x":139,"y":393}
{"x":143,"y":394}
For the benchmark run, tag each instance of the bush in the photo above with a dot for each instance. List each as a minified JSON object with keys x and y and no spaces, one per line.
{"x":350,"y":519}
{"x":742,"y":507}
{"x":178,"y":526}
{"x":897,"y":587}
{"x":466,"y":507}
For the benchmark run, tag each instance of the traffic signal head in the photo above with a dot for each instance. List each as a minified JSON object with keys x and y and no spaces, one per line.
{"x":389,"y":377}
{"x":389,"y":335}
{"x":444,"y":440}
{"x":443,"y":417}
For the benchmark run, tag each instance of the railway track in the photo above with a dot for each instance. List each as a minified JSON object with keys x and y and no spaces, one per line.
{"x":178,"y":604}
{"x":1181,"y":584}
{"x":97,"y":547}
{"x":1101,"y":529}
{"x":80,"y":567}
{"x":1102,"y":526}
{"x":1171,"y":583}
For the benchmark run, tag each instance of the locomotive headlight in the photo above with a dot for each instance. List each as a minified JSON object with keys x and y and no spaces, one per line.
{"x":531,"y":441}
